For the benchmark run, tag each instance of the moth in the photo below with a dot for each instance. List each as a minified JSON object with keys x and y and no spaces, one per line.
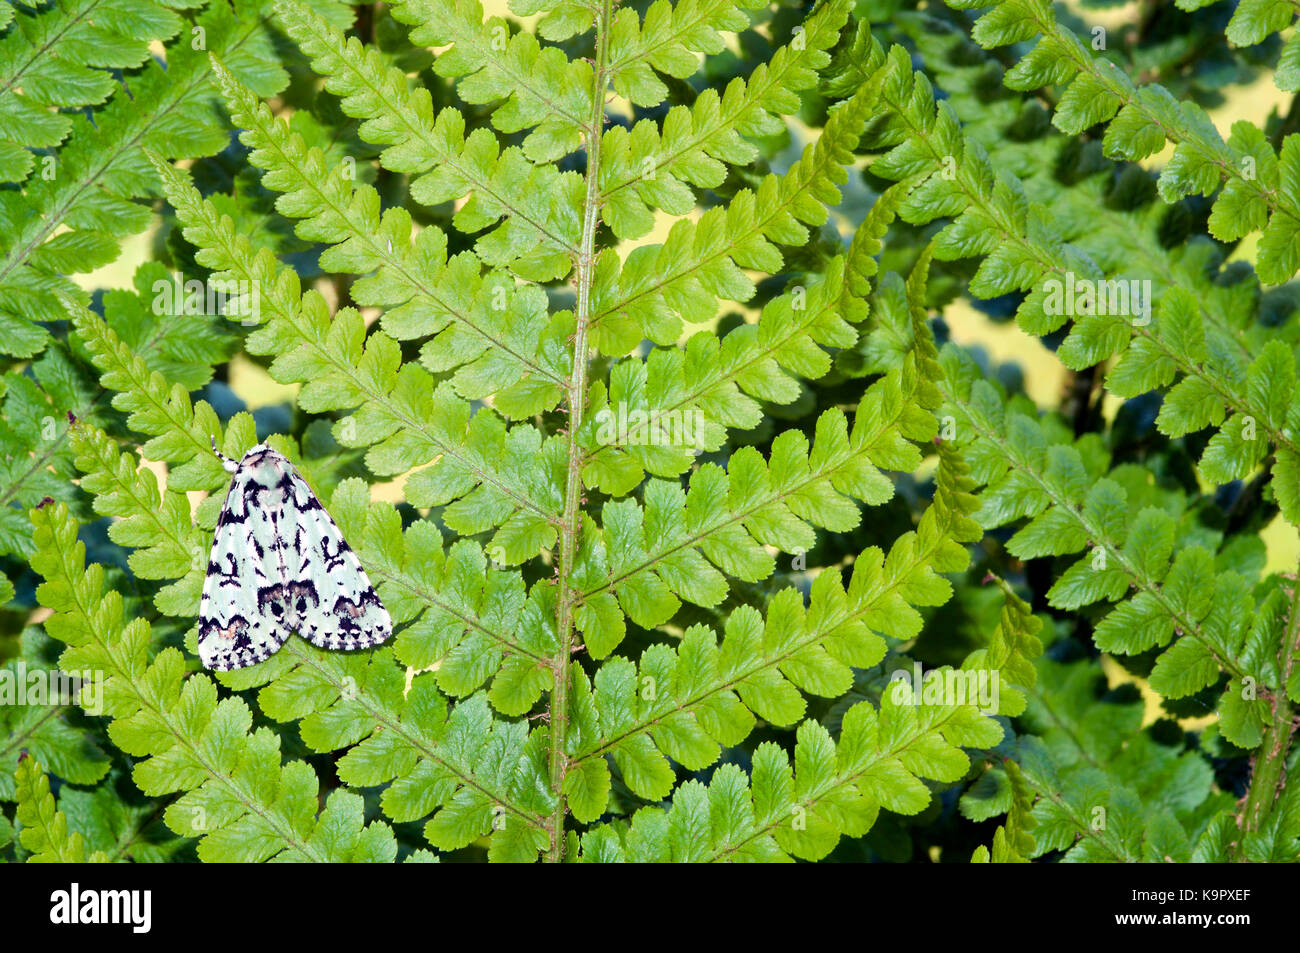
{"x":278,"y":565}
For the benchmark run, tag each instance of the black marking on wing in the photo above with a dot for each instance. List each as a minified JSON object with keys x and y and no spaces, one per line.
{"x":231,"y":645}
{"x":346,"y":612}
{"x":336,"y":559}
{"x":253,"y":496}
{"x":295,"y":488}
{"x":302,"y":596}
{"x":287,"y":602}
{"x":271,"y":601}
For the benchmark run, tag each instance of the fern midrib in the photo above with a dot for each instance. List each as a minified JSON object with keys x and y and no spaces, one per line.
{"x":16,"y":739}
{"x":464,"y":34}
{"x":571,"y":524}
{"x":39,"y":462}
{"x":920,"y":560}
{"x":826,"y":161}
{"x":145,"y":509}
{"x":699,"y":140}
{"x":1084,"y":63}
{"x":1270,"y":759}
{"x":1085,"y":829}
{"x":811,"y":799}
{"x":237,"y":251}
{"x":813,"y":477}
{"x":1068,"y":728}
{"x":758,"y":355}
{"x":704,"y":13}
{"x":65,"y":27}
{"x":433,"y":600}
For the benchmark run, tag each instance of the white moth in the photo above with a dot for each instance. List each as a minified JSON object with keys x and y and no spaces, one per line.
{"x":278,"y":565}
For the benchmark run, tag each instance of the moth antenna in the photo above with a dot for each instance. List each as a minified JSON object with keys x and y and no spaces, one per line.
{"x":230,"y":465}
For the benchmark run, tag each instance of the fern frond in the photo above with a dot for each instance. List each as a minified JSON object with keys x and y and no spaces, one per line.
{"x":1128,"y":543}
{"x":685,"y":703}
{"x":665,"y":41}
{"x":495,"y":476}
{"x":355,"y":703}
{"x":660,"y":287}
{"x":658,"y":520}
{"x":56,"y":388}
{"x":470,"y":774}
{"x":471,"y":614}
{"x":475,"y":774}
{"x":1013,"y":646}
{"x":647,"y":558}
{"x":652,"y":167}
{"x":44,"y":829}
{"x":1142,"y":800}
{"x":538,"y":231}
{"x":59,"y":57}
{"x":1260,"y":190}
{"x":860,"y":264}
{"x":34,"y":460}
{"x":717,"y":382}
{"x":181,"y":432}
{"x":42,"y":728}
{"x":834,"y":789}
{"x":238,"y":797}
{"x":994,"y":219}
{"x":1013,"y":842}
{"x":100,"y":172}
{"x":497,"y":341}
{"x":540,"y":89}
{"x":469,"y":623}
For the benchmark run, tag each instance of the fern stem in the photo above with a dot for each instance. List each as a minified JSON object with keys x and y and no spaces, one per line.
{"x":577,"y":388}
{"x":1270,"y":760}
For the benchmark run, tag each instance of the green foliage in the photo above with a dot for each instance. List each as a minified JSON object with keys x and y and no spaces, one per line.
{"x":627,"y":349}
{"x":44,"y":828}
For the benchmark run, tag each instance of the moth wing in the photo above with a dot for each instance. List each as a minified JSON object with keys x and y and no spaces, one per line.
{"x":333,"y":603}
{"x":236,"y":625}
